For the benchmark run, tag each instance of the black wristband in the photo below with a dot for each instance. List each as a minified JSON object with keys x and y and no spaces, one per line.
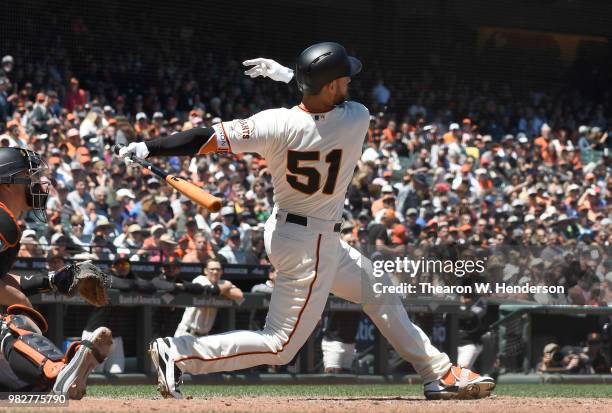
{"x":186,"y":143}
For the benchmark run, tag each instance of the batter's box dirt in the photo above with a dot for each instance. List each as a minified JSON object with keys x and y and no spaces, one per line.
{"x":261,"y":404}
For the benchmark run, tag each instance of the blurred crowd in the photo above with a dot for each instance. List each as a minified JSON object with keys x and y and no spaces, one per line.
{"x":468,"y":166}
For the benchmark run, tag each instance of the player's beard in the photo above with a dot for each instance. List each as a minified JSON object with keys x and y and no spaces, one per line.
{"x":341,"y":97}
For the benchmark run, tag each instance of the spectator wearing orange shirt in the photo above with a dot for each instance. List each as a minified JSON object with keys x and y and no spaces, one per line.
{"x":187,"y":242}
{"x":142,"y":125}
{"x":453,"y":134}
{"x":399,"y":235}
{"x":152,"y":242}
{"x":203,"y":251}
{"x":157,"y":128}
{"x":486,"y":183}
{"x":386,"y":194}
{"x":75,"y":98}
{"x":389,"y":132}
{"x":543,"y":141}
{"x":73,"y":142}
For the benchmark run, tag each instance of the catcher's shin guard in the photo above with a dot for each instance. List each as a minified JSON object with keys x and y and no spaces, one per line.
{"x":32,"y":356}
{"x":72,"y":380}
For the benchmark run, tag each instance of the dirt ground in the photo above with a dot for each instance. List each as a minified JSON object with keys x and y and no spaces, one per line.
{"x":261,"y":404}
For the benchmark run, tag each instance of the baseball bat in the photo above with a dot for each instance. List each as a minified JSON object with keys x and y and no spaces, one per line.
{"x":190,"y":190}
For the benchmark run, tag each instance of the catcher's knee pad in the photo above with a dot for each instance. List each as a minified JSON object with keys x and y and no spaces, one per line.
{"x":32,"y":357}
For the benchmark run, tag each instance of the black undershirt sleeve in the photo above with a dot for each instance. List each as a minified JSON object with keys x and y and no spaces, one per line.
{"x":35,"y":284}
{"x":187,"y":143}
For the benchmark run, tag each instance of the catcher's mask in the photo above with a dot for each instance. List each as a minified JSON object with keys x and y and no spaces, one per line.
{"x":15,"y":161}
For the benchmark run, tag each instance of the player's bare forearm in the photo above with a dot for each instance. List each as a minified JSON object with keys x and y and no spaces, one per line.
{"x":10,"y":292}
{"x":188,"y":143}
{"x":234,"y":294}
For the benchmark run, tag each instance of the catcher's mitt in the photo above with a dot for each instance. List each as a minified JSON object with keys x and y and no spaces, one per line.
{"x":85,"y":278}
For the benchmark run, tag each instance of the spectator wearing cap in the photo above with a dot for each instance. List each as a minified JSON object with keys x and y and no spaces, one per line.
{"x":131,"y":239}
{"x":30,"y":247}
{"x":105,"y":229}
{"x":41,"y":117}
{"x":13,"y":135}
{"x":168,"y":250}
{"x":5,"y":105}
{"x":414,"y":224}
{"x":75,"y":98}
{"x":125,"y":198}
{"x":164,"y":211}
{"x":152,"y":242}
{"x":453,"y":135}
{"x":98,"y":251}
{"x":157,"y":127}
{"x":228,"y":216}
{"x":232,"y":252}
{"x":142,"y":125}
{"x":108,"y":116}
{"x":57,"y":245}
{"x":73,"y":141}
{"x":386,"y":194}
{"x":216,"y":240}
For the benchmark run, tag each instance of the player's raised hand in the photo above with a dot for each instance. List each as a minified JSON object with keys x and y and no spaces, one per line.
{"x":137,"y":149}
{"x":268,"y":68}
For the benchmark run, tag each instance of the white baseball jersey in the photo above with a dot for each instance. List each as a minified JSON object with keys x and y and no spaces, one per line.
{"x":311,"y":156}
{"x":199,"y":319}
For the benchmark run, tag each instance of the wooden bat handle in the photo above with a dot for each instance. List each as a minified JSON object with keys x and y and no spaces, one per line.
{"x":195,"y":193}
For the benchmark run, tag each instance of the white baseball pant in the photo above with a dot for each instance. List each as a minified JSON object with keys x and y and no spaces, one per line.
{"x":337,"y":355}
{"x":311,"y":262}
{"x":467,"y":355}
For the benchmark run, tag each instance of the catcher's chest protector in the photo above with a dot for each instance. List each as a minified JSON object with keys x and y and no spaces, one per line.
{"x":9,"y":240}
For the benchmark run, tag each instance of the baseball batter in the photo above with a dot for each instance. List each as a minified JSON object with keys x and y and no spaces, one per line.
{"x":312,"y":150}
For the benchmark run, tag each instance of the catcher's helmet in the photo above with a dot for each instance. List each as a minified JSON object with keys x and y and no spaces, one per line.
{"x":321,"y":63}
{"x":13,"y":161}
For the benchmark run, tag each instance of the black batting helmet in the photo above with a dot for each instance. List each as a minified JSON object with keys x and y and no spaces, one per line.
{"x":13,"y":161}
{"x":321,"y":63}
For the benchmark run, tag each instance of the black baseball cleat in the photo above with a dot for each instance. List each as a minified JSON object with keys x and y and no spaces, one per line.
{"x":72,"y":379}
{"x":460,"y":383}
{"x":168,"y":375}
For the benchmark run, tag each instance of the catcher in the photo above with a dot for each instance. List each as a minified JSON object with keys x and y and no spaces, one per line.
{"x":29,"y":361}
